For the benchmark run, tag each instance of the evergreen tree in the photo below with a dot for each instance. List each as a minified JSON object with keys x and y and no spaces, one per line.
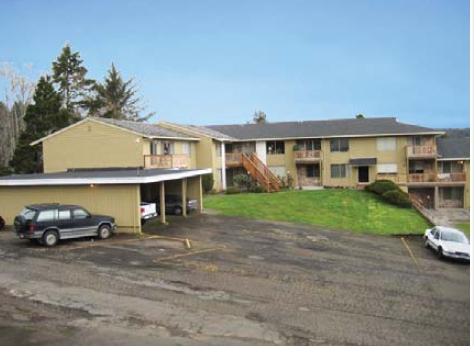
{"x":70,"y":77}
{"x":259,"y":117}
{"x":42,"y":117}
{"x":117,"y":99}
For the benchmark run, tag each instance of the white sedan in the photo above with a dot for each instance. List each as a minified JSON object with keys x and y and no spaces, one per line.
{"x":448,"y":242}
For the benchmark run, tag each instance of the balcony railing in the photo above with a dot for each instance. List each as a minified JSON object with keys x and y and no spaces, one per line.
{"x":429,"y":177}
{"x":428,"y":151}
{"x":307,"y":155}
{"x":233,"y":160}
{"x":166,"y":161}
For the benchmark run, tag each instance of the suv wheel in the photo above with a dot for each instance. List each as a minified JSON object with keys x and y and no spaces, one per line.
{"x":50,"y":238}
{"x":104,"y":232}
{"x":178,"y":211}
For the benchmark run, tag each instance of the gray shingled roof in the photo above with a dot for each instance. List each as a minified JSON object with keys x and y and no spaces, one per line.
{"x":321,"y":128}
{"x":453,"y":148}
{"x":206,"y":131}
{"x":147,"y":130}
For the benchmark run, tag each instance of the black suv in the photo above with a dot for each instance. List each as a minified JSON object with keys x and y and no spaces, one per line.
{"x":48,"y":223}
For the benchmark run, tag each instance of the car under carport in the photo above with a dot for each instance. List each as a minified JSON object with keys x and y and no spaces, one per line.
{"x":115,"y":192}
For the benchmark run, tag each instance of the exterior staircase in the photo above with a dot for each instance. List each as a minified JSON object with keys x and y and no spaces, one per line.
{"x":260,"y":172}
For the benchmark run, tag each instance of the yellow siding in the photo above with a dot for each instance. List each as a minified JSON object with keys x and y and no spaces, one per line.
{"x":119,"y":201}
{"x":92,"y":145}
{"x":204,"y":152}
{"x":329,"y":158}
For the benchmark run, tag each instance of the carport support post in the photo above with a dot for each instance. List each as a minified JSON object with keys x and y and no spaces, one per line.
{"x":184,"y":196}
{"x":436,"y":198}
{"x":162,"y":203}
{"x":223,"y":172}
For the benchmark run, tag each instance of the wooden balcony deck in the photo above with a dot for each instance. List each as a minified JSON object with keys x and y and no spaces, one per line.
{"x":422,"y":152}
{"x":426,"y":178}
{"x":165,"y":161}
{"x":307,"y":156}
{"x":233,"y":160}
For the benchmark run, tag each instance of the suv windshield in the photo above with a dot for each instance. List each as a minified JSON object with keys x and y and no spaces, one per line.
{"x":28,"y":213}
{"x":455,"y":237}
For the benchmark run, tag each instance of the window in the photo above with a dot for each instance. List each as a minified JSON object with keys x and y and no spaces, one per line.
{"x":450,"y":167}
{"x":47,"y":215}
{"x":28,"y":214}
{"x":64,"y":215}
{"x":186,"y":148}
{"x":387,"y":168}
{"x":417,"y":167}
{"x":386,"y":144}
{"x":455,"y":193}
{"x":167,"y":148}
{"x":309,"y":144}
{"x":339,"y":171}
{"x":339,"y":144}
{"x":414,"y":141}
{"x":312,"y":171}
{"x":80,"y":214}
{"x":275,"y":147}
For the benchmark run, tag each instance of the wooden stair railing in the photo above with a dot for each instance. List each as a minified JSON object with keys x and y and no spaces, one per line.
{"x":262,"y":167}
{"x":260,"y":174}
{"x":417,"y":202}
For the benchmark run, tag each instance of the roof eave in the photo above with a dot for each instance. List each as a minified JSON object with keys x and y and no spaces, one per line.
{"x":105,"y":181}
{"x":435,"y":133}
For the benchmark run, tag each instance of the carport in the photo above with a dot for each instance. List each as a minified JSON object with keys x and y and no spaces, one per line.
{"x":114,"y":192}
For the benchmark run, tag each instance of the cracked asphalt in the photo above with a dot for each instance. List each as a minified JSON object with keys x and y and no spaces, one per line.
{"x":244,"y":282}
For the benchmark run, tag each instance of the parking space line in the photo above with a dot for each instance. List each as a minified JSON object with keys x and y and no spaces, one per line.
{"x":185,"y":241}
{"x":190,"y":254}
{"x":412,"y":256}
{"x":105,"y":244}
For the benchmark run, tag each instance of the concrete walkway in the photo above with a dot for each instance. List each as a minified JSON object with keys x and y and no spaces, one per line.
{"x":447,"y":216}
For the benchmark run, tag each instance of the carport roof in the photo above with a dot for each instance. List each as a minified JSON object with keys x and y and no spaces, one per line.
{"x":107,"y":176}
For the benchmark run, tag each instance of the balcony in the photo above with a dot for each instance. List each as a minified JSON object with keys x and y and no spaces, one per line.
{"x":422,"y":152}
{"x":426,"y":178}
{"x":233,"y":160}
{"x":307,"y":156}
{"x":165,"y":161}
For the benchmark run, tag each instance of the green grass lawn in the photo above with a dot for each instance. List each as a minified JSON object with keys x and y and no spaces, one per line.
{"x":351,"y":210}
{"x":465,"y":227}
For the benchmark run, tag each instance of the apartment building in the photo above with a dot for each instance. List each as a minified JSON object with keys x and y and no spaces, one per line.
{"x":109,"y":167}
{"x":345,"y":153}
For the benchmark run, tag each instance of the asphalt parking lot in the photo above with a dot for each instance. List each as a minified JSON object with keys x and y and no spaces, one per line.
{"x":242,"y":282}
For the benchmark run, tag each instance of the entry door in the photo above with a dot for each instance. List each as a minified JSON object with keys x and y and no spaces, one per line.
{"x":363,"y":174}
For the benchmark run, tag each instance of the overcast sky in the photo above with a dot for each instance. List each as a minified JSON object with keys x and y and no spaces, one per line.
{"x":217,"y":62}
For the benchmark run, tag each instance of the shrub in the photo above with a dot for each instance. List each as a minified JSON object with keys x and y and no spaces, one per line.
{"x":207,"y":182}
{"x":259,"y":189}
{"x":232,"y":191}
{"x":5,"y":171}
{"x":242,"y":181}
{"x":379,"y":187}
{"x":397,"y":197}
